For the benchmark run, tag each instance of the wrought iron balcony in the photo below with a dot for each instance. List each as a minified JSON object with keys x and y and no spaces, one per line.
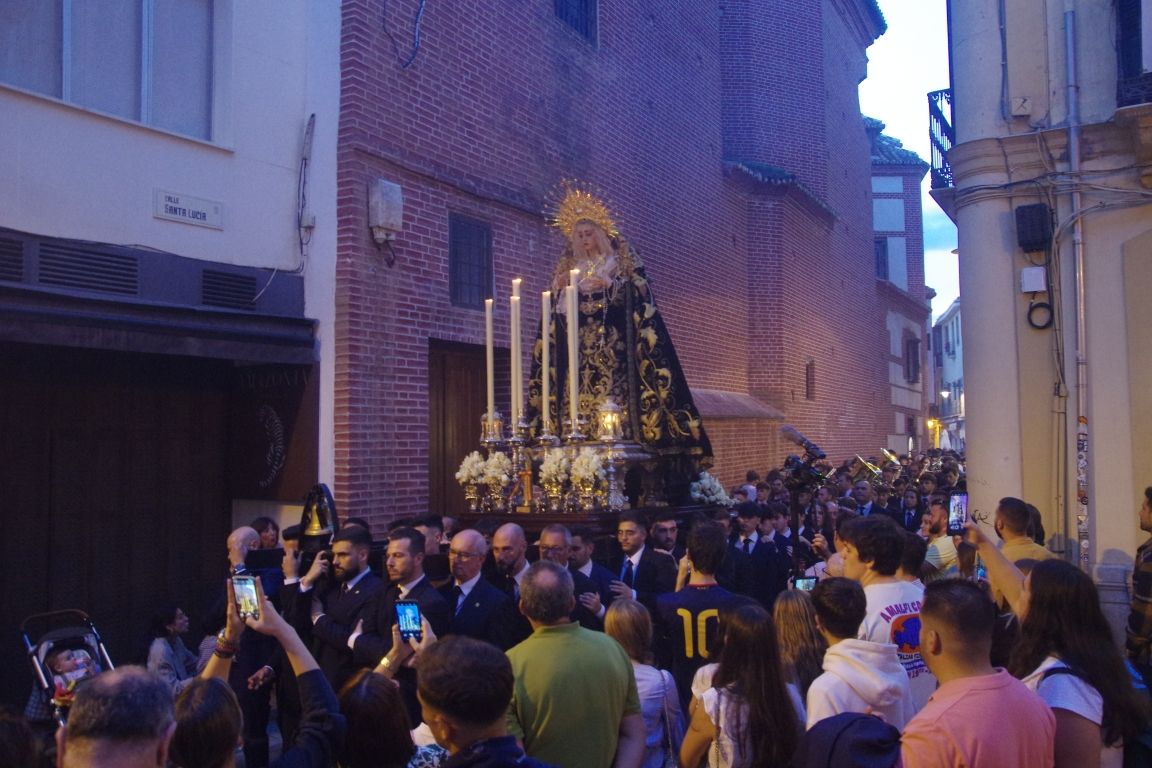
{"x":942,"y":136}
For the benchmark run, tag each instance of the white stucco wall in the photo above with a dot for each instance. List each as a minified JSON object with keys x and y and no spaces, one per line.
{"x":73,"y":173}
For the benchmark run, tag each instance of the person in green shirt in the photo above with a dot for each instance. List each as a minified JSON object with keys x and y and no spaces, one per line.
{"x":574,"y":702}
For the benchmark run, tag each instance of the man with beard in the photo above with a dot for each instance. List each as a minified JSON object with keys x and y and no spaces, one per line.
{"x":942,"y":555}
{"x":338,"y":602}
{"x":372,"y":640}
{"x":509,"y":550}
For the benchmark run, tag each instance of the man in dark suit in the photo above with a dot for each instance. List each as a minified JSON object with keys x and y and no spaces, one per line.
{"x":404,"y":560}
{"x":510,"y":554}
{"x":909,"y":512}
{"x":583,"y":547}
{"x":480,"y":610}
{"x":663,"y":533}
{"x":641,"y":572}
{"x":864,"y":495}
{"x":765,"y":564}
{"x":556,"y":545}
{"x":338,"y":603}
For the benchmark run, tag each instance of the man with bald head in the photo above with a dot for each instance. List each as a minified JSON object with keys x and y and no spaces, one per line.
{"x":479,"y":610}
{"x":574,"y":700}
{"x":120,"y":719}
{"x":509,"y":550}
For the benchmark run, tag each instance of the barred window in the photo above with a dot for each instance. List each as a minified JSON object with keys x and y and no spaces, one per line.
{"x":578,"y":14}
{"x":469,"y":260}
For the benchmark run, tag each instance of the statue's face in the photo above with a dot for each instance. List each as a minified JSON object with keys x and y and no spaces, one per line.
{"x":585,"y":237}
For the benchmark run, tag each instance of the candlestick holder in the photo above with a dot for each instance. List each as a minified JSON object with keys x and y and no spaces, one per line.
{"x":516,"y":441}
{"x":575,"y":431}
{"x":546,"y":439}
{"x":492,"y":431}
{"x":616,"y":500}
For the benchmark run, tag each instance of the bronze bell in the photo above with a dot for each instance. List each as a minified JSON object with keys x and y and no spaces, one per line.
{"x":319,"y":512}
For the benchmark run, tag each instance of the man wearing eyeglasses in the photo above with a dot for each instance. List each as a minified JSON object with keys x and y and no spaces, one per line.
{"x":556,"y":545}
{"x":479,"y":610}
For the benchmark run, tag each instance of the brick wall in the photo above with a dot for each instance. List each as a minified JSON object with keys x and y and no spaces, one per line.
{"x":503,"y":101}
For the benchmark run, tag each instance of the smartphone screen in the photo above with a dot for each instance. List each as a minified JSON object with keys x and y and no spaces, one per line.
{"x":247,"y":602}
{"x":805,"y":583}
{"x":957,"y":513}
{"x":408,"y":617}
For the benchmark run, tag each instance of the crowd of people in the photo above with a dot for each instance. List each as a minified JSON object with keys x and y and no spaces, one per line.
{"x":838,"y":624}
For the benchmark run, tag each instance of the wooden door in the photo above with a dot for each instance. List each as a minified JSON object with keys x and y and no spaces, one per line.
{"x":456,"y":402}
{"x":116,"y":499}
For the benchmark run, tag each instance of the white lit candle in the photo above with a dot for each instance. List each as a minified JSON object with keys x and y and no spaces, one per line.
{"x":490,"y":360}
{"x":573,"y":350}
{"x":517,"y":404}
{"x":545,"y":363}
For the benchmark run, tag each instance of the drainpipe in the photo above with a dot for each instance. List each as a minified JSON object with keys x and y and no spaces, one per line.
{"x":1083,"y":539}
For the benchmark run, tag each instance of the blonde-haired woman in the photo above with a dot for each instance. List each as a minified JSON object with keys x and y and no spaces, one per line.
{"x":629,"y":624}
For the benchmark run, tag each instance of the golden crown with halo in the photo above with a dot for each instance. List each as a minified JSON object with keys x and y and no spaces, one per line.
{"x":573,"y":203}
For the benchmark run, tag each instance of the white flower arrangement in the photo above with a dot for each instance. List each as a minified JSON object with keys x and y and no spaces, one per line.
{"x":709,"y":491}
{"x":587,"y":467}
{"x":471,"y":469}
{"x":498,"y":470}
{"x":554,"y":469}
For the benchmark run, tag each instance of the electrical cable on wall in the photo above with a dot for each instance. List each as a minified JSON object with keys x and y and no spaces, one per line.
{"x":405,"y":62}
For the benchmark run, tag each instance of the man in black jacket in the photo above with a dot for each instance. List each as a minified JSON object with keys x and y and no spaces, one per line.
{"x":641,"y":572}
{"x":479,"y":610}
{"x":404,"y":560}
{"x":337,"y":603}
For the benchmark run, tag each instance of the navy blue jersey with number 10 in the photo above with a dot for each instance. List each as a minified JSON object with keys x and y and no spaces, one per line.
{"x":690,"y":621}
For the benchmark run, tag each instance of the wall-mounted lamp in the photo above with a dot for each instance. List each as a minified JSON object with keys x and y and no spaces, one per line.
{"x":385,"y":214}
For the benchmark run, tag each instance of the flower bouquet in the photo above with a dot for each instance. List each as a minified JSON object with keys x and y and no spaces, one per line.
{"x":470,"y":475}
{"x":553,"y":474}
{"x":708,"y":490}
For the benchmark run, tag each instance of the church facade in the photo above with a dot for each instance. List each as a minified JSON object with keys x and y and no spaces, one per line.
{"x":730,"y":145}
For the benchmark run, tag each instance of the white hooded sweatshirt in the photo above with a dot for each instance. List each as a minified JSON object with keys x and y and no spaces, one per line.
{"x":859,"y":674}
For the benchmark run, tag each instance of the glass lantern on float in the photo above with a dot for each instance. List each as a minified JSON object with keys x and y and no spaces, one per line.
{"x":611,"y":433}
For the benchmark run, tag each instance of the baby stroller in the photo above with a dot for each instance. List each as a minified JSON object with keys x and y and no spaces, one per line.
{"x":65,"y":630}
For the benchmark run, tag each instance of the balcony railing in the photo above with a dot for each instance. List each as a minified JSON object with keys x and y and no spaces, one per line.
{"x":941,"y":135}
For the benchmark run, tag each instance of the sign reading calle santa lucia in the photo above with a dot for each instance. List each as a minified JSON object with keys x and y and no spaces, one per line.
{"x":175,"y":206}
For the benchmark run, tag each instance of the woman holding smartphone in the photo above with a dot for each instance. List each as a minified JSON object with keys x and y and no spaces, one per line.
{"x":1066,"y":654}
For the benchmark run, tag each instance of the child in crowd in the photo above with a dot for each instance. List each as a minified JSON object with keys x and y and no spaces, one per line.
{"x":69,"y":666}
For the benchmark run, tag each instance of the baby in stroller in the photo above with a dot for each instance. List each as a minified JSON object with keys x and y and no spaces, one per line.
{"x":64,"y":650}
{"x":69,"y":666}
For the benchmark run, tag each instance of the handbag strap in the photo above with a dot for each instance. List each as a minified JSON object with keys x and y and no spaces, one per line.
{"x":664,"y":712}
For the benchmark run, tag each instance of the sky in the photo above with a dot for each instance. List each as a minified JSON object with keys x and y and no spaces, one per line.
{"x":907,"y":62}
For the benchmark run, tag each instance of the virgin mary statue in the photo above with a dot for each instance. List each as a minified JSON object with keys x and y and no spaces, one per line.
{"x":626,"y":354}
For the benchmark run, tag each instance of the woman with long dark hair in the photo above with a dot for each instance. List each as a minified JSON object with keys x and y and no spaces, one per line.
{"x":749,"y":717}
{"x":167,"y":654}
{"x":1066,"y":653}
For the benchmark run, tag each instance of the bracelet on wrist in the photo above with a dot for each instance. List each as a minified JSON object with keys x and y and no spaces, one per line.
{"x":226,"y":655}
